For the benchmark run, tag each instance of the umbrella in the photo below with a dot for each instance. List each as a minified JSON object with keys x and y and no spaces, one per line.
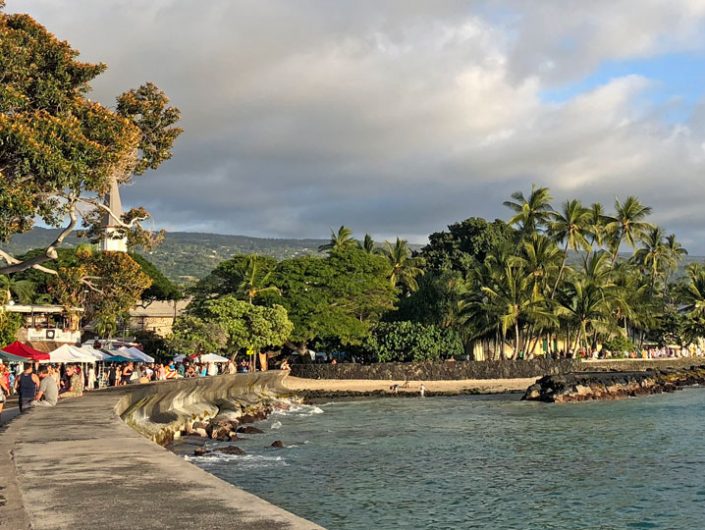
{"x":9,"y":358}
{"x":213,"y":358}
{"x":179,"y":358}
{"x":17,"y":348}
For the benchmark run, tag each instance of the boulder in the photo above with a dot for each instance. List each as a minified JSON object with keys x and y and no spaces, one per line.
{"x":230,"y":450}
{"x":248,"y":429}
{"x":278,"y":444}
{"x":200,"y":451}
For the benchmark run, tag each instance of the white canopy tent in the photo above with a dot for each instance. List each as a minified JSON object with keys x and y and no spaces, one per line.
{"x":98,"y":355}
{"x":180,"y":357}
{"x":213,"y":358}
{"x":133,"y":353}
{"x":69,"y":354}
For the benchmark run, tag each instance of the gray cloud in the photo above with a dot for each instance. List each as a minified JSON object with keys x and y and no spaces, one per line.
{"x":394,"y":117}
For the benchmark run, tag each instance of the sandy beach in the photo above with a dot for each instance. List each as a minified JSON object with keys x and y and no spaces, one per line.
{"x":480,"y":386}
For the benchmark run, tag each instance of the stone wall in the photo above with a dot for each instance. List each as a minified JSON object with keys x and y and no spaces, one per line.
{"x":436,"y":371}
{"x":444,"y":371}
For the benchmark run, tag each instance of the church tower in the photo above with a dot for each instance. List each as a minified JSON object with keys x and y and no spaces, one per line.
{"x":112,"y":242}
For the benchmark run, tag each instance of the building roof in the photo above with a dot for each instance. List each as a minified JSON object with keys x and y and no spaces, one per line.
{"x":160,"y":308}
{"x":30,"y":308}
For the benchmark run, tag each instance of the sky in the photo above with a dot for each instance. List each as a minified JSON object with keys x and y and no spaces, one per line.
{"x":400,"y":117}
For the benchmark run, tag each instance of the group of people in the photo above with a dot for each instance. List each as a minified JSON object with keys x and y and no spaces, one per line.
{"x":40,"y":385}
{"x":44,"y":384}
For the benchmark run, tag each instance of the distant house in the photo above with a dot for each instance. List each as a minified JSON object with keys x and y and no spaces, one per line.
{"x":46,"y":327}
{"x":157,"y":317}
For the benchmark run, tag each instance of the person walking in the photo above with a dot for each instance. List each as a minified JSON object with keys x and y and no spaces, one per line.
{"x":27,"y":385}
{"x":4,"y":388}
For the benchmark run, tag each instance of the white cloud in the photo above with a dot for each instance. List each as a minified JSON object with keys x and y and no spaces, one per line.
{"x":393,"y":117}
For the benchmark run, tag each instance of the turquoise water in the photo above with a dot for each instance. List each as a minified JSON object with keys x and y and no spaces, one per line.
{"x":490,"y":463}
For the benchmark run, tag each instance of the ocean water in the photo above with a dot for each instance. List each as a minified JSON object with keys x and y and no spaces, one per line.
{"x":482,"y":462}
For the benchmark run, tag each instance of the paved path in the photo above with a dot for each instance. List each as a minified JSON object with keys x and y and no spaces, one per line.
{"x":79,"y":466}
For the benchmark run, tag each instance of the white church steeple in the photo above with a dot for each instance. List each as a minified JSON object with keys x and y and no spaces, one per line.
{"x":111,"y":241}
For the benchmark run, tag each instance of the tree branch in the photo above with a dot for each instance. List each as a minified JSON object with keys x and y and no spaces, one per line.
{"x":50,"y":253}
{"x":120,"y":222}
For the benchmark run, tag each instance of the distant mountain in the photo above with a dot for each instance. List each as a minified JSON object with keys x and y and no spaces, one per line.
{"x":186,"y":256}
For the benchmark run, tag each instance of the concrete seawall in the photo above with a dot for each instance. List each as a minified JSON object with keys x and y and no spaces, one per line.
{"x":79,"y":466}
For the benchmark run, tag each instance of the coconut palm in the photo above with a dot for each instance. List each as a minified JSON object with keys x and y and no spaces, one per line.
{"x":542,"y":260}
{"x":532,"y":213}
{"x":367,"y":244}
{"x":403,"y":267}
{"x":628,"y":224}
{"x":585,"y":307}
{"x":22,"y":290}
{"x":597,"y":222}
{"x":253,"y":283}
{"x":653,"y":256}
{"x":570,"y":226}
{"x":694,"y":291}
{"x":339,"y":240}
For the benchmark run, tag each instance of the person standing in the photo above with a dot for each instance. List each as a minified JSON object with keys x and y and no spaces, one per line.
{"x":91,"y":378}
{"x":27,"y":386}
{"x":4,"y":388}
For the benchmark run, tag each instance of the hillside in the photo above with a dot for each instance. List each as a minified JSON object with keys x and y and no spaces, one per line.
{"x":186,"y":256}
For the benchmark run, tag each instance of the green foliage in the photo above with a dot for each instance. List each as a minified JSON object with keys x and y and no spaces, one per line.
{"x":161,"y":288}
{"x":57,"y":147}
{"x":195,"y":335}
{"x":619,"y":345}
{"x":465,"y":244}
{"x":248,"y":325}
{"x":411,"y":341}
{"x":10,"y":324}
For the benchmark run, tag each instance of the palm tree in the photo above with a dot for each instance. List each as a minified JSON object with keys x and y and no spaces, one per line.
{"x":339,"y":240}
{"x":585,"y":307}
{"x":508,"y":295}
{"x":367,"y":244}
{"x":541,"y":259}
{"x":628,"y":224}
{"x":533,"y":213}
{"x":572,"y":227}
{"x":253,"y":283}
{"x":598,"y":220}
{"x":22,"y":290}
{"x":653,"y":255}
{"x":694,"y":291}
{"x":404,"y":270}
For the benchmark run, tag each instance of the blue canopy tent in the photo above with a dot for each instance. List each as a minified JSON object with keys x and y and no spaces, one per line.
{"x":10,"y":358}
{"x":117,"y":359}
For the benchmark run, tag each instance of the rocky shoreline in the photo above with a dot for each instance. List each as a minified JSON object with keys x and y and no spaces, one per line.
{"x":589,"y":386}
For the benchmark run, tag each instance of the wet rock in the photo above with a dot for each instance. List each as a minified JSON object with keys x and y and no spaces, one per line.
{"x":584,"y":386}
{"x":200,"y":432}
{"x":230,"y":450}
{"x":200,"y":451}
{"x":248,"y":429}
{"x":278,"y":444}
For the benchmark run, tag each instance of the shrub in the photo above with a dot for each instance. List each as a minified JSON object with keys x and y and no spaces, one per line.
{"x":410,"y":341}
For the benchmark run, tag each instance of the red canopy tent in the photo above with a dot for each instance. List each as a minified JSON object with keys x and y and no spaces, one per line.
{"x":17,"y":348}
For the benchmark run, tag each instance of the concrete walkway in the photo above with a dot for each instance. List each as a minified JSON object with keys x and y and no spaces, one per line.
{"x":79,"y":466}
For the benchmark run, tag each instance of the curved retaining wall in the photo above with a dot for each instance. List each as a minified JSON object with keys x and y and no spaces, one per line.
{"x":157,"y":411}
{"x":79,"y":466}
